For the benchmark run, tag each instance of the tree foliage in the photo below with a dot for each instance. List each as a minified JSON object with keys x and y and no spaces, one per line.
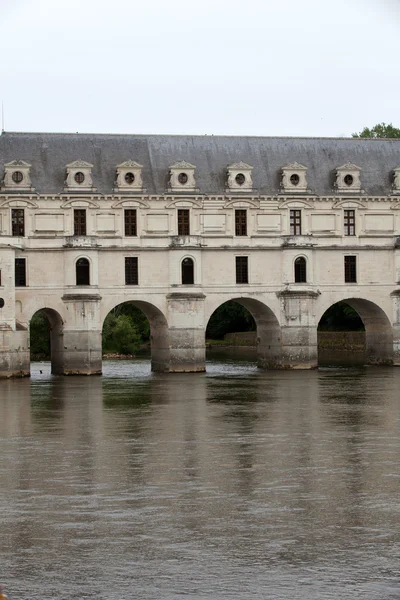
{"x":229,"y":317}
{"x":341,"y":317}
{"x":40,"y":335}
{"x":381,"y":130}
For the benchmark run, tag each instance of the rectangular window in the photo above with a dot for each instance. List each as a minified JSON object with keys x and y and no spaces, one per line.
{"x":130,"y":222}
{"x":183,"y":222}
{"x":240,"y":222}
{"x":20,"y":272}
{"x":242,"y":270}
{"x":350,"y":269}
{"x":79,"y":221}
{"x":349,"y":222}
{"x":295,"y":222}
{"x":131,"y":270}
{"x":18,"y":222}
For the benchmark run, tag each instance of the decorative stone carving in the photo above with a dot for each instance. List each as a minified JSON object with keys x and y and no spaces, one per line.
{"x":239,"y":178}
{"x":181,"y":177}
{"x":294,"y":178}
{"x":79,"y":177}
{"x":17,"y":177}
{"x":396,"y":181}
{"x":348,"y":179}
{"x":129,"y":177}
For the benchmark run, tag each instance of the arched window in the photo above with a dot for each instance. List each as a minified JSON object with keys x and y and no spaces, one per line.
{"x":300,"y":270}
{"x":82,"y":272}
{"x":187,"y":271}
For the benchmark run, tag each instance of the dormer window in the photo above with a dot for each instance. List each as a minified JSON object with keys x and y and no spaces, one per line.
{"x":181,"y":177}
{"x":396,"y":181}
{"x":129,"y":177}
{"x":348,"y":178}
{"x":239,"y":177}
{"x":17,"y":176}
{"x":294,"y":178}
{"x":79,"y":177}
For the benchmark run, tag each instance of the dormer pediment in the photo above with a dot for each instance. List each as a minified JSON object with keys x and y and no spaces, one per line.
{"x":79,"y":176}
{"x":129,"y":177}
{"x":348,"y":178}
{"x":181,"y":177}
{"x":349,"y":167}
{"x":17,"y":176}
{"x":294,"y":178}
{"x":239,"y":177}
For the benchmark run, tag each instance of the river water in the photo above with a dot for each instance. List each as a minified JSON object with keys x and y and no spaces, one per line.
{"x":231,"y":484}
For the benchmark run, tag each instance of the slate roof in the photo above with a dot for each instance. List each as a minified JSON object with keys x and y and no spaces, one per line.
{"x":49,"y":153}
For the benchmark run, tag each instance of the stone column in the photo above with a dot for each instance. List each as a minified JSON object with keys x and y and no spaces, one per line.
{"x":396,"y":327}
{"x":299,"y":330}
{"x":14,"y":337}
{"x":82,"y":334}
{"x":187,"y":351}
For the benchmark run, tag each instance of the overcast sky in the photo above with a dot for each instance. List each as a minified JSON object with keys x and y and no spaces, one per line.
{"x":256,"y":67}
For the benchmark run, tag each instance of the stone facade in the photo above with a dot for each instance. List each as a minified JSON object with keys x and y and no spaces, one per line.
{"x":181,"y":224}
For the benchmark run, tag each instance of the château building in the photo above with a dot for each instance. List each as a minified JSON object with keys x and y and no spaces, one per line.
{"x":181,"y":224}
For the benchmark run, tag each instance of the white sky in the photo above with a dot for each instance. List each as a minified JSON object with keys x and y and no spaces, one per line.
{"x":255,"y":67}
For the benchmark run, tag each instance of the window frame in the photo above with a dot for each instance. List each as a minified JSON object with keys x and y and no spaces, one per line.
{"x":183,"y":221}
{"x":240,"y":222}
{"x":300,"y":269}
{"x":187,"y":258}
{"x":130,"y":222}
{"x":350,"y":268}
{"x":18,"y":222}
{"x":242,"y":269}
{"x":87,"y":271}
{"x":22,"y":281}
{"x":80,"y":224}
{"x":295,"y":224}
{"x":349,"y":222}
{"x":131,"y":264}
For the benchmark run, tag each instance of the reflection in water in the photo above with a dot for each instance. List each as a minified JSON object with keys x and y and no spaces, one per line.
{"x":235,"y":483}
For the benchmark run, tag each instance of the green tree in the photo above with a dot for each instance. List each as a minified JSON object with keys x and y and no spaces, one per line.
{"x":229,"y":317}
{"x":120,"y":335}
{"x":40,"y":335}
{"x":381,"y":130}
{"x":341,"y":317}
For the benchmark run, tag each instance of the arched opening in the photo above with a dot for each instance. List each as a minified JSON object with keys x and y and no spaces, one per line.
{"x":187,"y":271}
{"x":46,"y":338}
{"x":82,"y":271}
{"x":245,"y":322}
{"x":300,"y":270}
{"x":354,"y":332}
{"x":137,"y":329}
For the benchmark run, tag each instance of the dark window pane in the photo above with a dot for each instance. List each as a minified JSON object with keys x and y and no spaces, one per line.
{"x":240,"y":222}
{"x":295,"y":222}
{"x":130,"y":222}
{"x":350,"y":269}
{"x":79,"y":221}
{"x":242,"y":274}
{"x":20,"y":272}
{"x":183,"y":222}
{"x":349,"y":222}
{"x":18,"y":222}
{"x":300,"y":270}
{"x":187,"y":271}
{"x":82,"y":272}
{"x":131,"y":270}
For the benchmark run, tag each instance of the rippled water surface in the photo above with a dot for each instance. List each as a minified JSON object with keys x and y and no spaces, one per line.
{"x":233,"y":484}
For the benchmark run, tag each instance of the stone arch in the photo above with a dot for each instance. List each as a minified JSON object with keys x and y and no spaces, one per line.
{"x":56,"y":338}
{"x":159,"y":335}
{"x":378,"y":329}
{"x":269,"y":339}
